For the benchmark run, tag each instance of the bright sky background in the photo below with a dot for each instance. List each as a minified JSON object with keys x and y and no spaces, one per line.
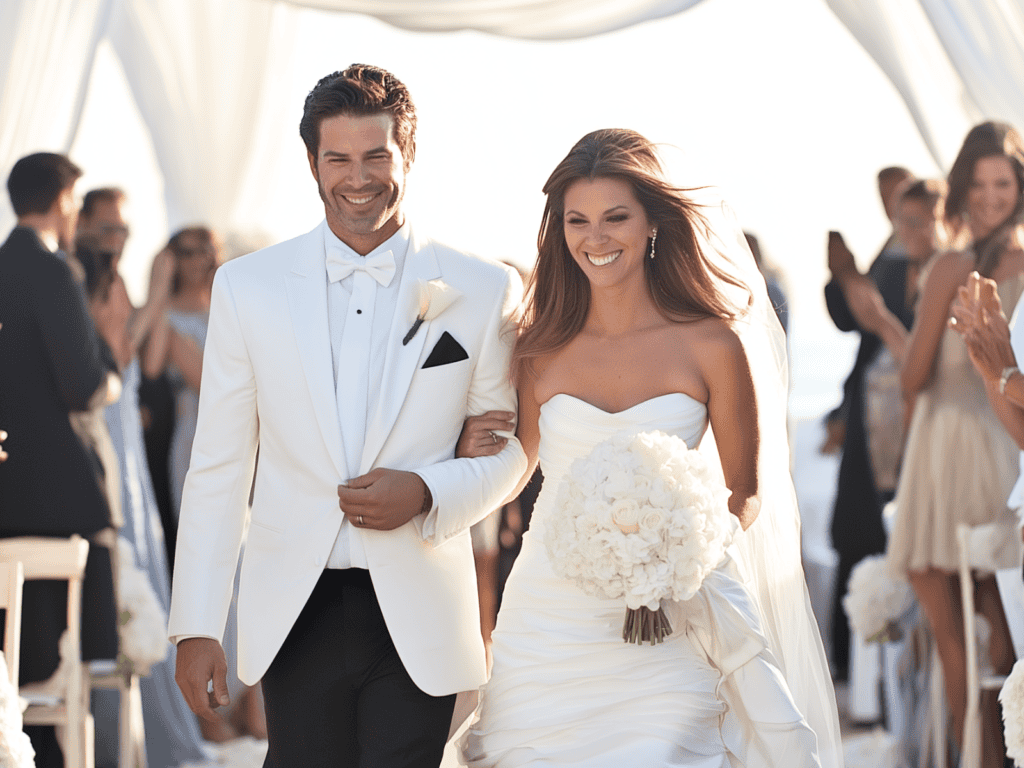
{"x":774,"y":102}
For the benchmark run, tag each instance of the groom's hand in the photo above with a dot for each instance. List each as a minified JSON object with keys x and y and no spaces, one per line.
{"x":383,"y":499}
{"x":200,"y":660}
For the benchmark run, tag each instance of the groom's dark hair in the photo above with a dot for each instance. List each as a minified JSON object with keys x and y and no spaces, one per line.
{"x":361,"y":90}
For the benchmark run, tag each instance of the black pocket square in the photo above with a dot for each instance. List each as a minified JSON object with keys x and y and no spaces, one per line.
{"x":447,"y":350}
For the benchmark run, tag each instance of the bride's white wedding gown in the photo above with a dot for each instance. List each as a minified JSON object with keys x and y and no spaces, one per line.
{"x":566,"y":690}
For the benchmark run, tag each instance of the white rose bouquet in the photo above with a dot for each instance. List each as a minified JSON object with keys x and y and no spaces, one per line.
{"x":876,"y":600}
{"x":1012,"y":698}
{"x":15,"y":748}
{"x":641,"y":518}
{"x":142,"y":618}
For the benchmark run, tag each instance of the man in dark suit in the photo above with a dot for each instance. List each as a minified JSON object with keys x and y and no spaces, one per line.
{"x":53,"y":365}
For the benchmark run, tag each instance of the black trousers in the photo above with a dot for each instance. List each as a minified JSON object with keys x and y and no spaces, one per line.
{"x":338,"y":696}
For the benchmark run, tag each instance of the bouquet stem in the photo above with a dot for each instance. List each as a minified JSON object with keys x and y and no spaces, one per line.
{"x":644,"y":625}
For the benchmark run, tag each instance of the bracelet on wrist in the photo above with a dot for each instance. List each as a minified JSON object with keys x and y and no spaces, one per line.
{"x":1004,"y":378}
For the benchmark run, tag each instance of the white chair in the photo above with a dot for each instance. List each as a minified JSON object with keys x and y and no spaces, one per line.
{"x":975,"y":546}
{"x":64,"y":560}
{"x":12,"y":579}
{"x":131,"y":731}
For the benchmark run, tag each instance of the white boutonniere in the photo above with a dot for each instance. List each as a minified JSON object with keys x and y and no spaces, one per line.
{"x":435,"y":296}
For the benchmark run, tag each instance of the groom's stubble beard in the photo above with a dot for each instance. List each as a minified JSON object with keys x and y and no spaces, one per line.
{"x":365,"y":225}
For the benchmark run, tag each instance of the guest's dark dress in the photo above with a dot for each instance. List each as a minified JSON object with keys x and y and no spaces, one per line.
{"x":857,"y":529}
{"x":156,"y":403}
{"x":51,"y":363}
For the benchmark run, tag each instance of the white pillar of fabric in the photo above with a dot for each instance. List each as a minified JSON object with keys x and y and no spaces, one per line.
{"x":46,"y":53}
{"x":985,"y":41}
{"x":524,"y":19}
{"x":200,"y":73}
{"x":902,"y":41}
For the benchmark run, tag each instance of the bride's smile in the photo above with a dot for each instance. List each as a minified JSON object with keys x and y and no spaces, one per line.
{"x":601,"y":261}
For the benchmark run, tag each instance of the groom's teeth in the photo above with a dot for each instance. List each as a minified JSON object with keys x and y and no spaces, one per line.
{"x":359,"y":200}
{"x":600,"y":261}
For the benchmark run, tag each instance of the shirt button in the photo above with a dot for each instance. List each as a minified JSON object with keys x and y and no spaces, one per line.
{"x":359,"y":311}
{"x":319,"y":562}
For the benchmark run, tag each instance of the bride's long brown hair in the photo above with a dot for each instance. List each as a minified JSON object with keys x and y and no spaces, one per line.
{"x":680,"y":279}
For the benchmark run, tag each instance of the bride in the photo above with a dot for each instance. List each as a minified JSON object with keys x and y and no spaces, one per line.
{"x":639,"y":318}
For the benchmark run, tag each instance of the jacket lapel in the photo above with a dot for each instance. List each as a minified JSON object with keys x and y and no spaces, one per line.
{"x":307,"y":300}
{"x":401,"y":359}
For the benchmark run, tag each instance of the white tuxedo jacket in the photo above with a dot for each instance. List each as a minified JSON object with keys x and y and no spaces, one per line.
{"x":267,"y":381}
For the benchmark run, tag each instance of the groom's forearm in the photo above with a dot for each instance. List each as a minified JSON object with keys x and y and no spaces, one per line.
{"x":465,"y":491}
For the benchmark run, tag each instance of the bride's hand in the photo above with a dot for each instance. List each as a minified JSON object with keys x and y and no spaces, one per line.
{"x":479,"y":434}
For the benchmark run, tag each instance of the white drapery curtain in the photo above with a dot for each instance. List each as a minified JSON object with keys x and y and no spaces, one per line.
{"x":525,"y":19}
{"x":202,"y":73}
{"x":46,"y":53}
{"x":984,"y":40}
{"x":954,"y":62}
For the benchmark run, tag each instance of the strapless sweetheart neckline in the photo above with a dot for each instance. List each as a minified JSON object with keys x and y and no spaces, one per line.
{"x":625,"y":410}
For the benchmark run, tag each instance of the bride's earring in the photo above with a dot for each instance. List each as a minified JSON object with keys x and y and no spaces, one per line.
{"x":654,"y":236}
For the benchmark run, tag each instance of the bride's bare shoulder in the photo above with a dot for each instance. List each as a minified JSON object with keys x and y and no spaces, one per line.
{"x":710,"y":336}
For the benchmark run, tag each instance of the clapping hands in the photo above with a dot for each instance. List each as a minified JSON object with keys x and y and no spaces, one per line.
{"x":979,"y":318}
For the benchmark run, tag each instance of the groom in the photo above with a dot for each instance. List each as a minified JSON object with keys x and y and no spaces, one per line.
{"x":350,"y":356}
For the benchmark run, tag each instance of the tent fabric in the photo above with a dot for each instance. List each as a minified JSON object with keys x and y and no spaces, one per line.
{"x":954,"y":62}
{"x":46,"y":52}
{"x":524,"y":19}
{"x":199,"y":72}
{"x":984,"y":40}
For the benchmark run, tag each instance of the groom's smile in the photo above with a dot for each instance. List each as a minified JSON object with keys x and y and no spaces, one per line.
{"x":360,"y":172}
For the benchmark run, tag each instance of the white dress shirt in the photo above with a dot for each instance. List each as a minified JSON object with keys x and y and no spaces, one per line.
{"x":380,"y":311}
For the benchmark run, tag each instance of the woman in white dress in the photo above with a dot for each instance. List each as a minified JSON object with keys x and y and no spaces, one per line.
{"x":638,"y":319}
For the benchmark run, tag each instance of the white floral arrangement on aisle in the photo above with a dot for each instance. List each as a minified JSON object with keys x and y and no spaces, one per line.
{"x":641,"y":518}
{"x":1012,"y":698}
{"x":876,"y":600}
{"x":142,"y":619}
{"x":15,"y":748}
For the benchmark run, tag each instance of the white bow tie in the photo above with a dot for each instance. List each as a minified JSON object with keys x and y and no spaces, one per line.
{"x":340,"y":265}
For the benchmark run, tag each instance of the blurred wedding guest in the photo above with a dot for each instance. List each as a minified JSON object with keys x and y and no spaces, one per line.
{"x":960,"y":464}
{"x":90,"y":424}
{"x":101,"y":219}
{"x":101,"y":222}
{"x":772,"y":280}
{"x":172,"y":730}
{"x":175,"y":346}
{"x":52,"y":367}
{"x":177,"y":339}
{"x":856,"y":528}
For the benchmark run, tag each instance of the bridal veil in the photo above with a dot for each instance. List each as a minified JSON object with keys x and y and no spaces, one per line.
{"x":769,"y":551}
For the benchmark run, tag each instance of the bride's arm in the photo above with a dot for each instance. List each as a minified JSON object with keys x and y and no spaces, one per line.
{"x":732,"y":412}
